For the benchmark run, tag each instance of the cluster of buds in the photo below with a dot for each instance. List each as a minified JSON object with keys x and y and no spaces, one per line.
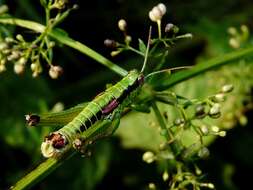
{"x":55,"y":4}
{"x":238,"y":37}
{"x":11,"y":51}
{"x":19,"y":52}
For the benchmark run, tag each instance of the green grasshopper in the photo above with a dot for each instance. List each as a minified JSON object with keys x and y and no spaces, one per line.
{"x":106,"y":106}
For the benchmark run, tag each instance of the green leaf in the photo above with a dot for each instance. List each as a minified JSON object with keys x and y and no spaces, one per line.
{"x":142,"y":46}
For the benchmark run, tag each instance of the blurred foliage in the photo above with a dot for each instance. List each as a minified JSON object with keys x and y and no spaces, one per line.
{"x":116,"y":163}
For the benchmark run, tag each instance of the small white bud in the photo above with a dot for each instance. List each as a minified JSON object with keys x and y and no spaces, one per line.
{"x":151,"y":186}
{"x":55,"y":72}
{"x":165,"y":176}
{"x":204,"y":129}
{"x":22,"y":61}
{"x":215,"y":111}
{"x":3,"y":46}
{"x":232,"y":31}
{"x":20,"y":37}
{"x":162,"y":8}
{"x":33,"y":66}
{"x":3,"y":9}
{"x":215,"y":129}
{"x":155,"y":14}
{"x":219,"y":97}
{"x":51,"y":44}
{"x":222,"y":133}
{"x":148,"y":157}
{"x":19,"y":68}
{"x":234,"y":43}
{"x":203,"y":152}
{"x":128,"y":39}
{"x":227,"y":88}
{"x":122,"y":24}
{"x":210,"y":186}
{"x":2,"y":68}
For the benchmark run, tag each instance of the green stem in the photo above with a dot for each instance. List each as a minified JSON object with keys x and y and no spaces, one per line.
{"x":159,"y":29}
{"x":41,"y":172}
{"x":203,"y":67}
{"x":174,"y":143}
{"x":57,"y":34}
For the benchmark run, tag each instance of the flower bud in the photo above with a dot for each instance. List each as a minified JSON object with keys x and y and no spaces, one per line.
{"x":222,"y":133}
{"x":169,"y":27}
{"x":20,"y":38}
{"x":19,"y":68}
{"x":227,"y":88}
{"x":214,"y":111}
{"x":155,"y":14}
{"x":128,"y":39}
{"x":162,"y":8}
{"x":55,"y":72}
{"x":9,"y":40}
{"x":215,"y":129}
{"x":178,"y":121}
{"x":2,"y":68}
{"x":234,"y":43}
{"x":110,"y":43}
{"x":114,"y":53}
{"x":218,"y":98}
{"x":22,"y":61}
{"x":203,"y":152}
{"x":165,"y":176}
{"x":3,"y":46}
{"x":200,"y":111}
{"x":148,"y":157}
{"x":14,"y":55}
{"x":232,"y":31}
{"x":204,"y":129}
{"x":151,"y":186}
{"x":51,"y":44}
{"x":122,"y":24}
{"x":3,"y":9}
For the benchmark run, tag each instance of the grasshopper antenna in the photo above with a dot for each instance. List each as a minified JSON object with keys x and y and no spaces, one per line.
{"x":147,"y":50}
{"x":167,"y":70}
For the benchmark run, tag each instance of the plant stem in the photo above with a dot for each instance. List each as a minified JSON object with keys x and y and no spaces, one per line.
{"x":174,"y":144}
{"x":203,"y":67}
{"x":41,"y":172}
{"x":62,"y":37}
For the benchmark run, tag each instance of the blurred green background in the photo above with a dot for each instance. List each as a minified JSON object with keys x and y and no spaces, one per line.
{"x":116,"y":163}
